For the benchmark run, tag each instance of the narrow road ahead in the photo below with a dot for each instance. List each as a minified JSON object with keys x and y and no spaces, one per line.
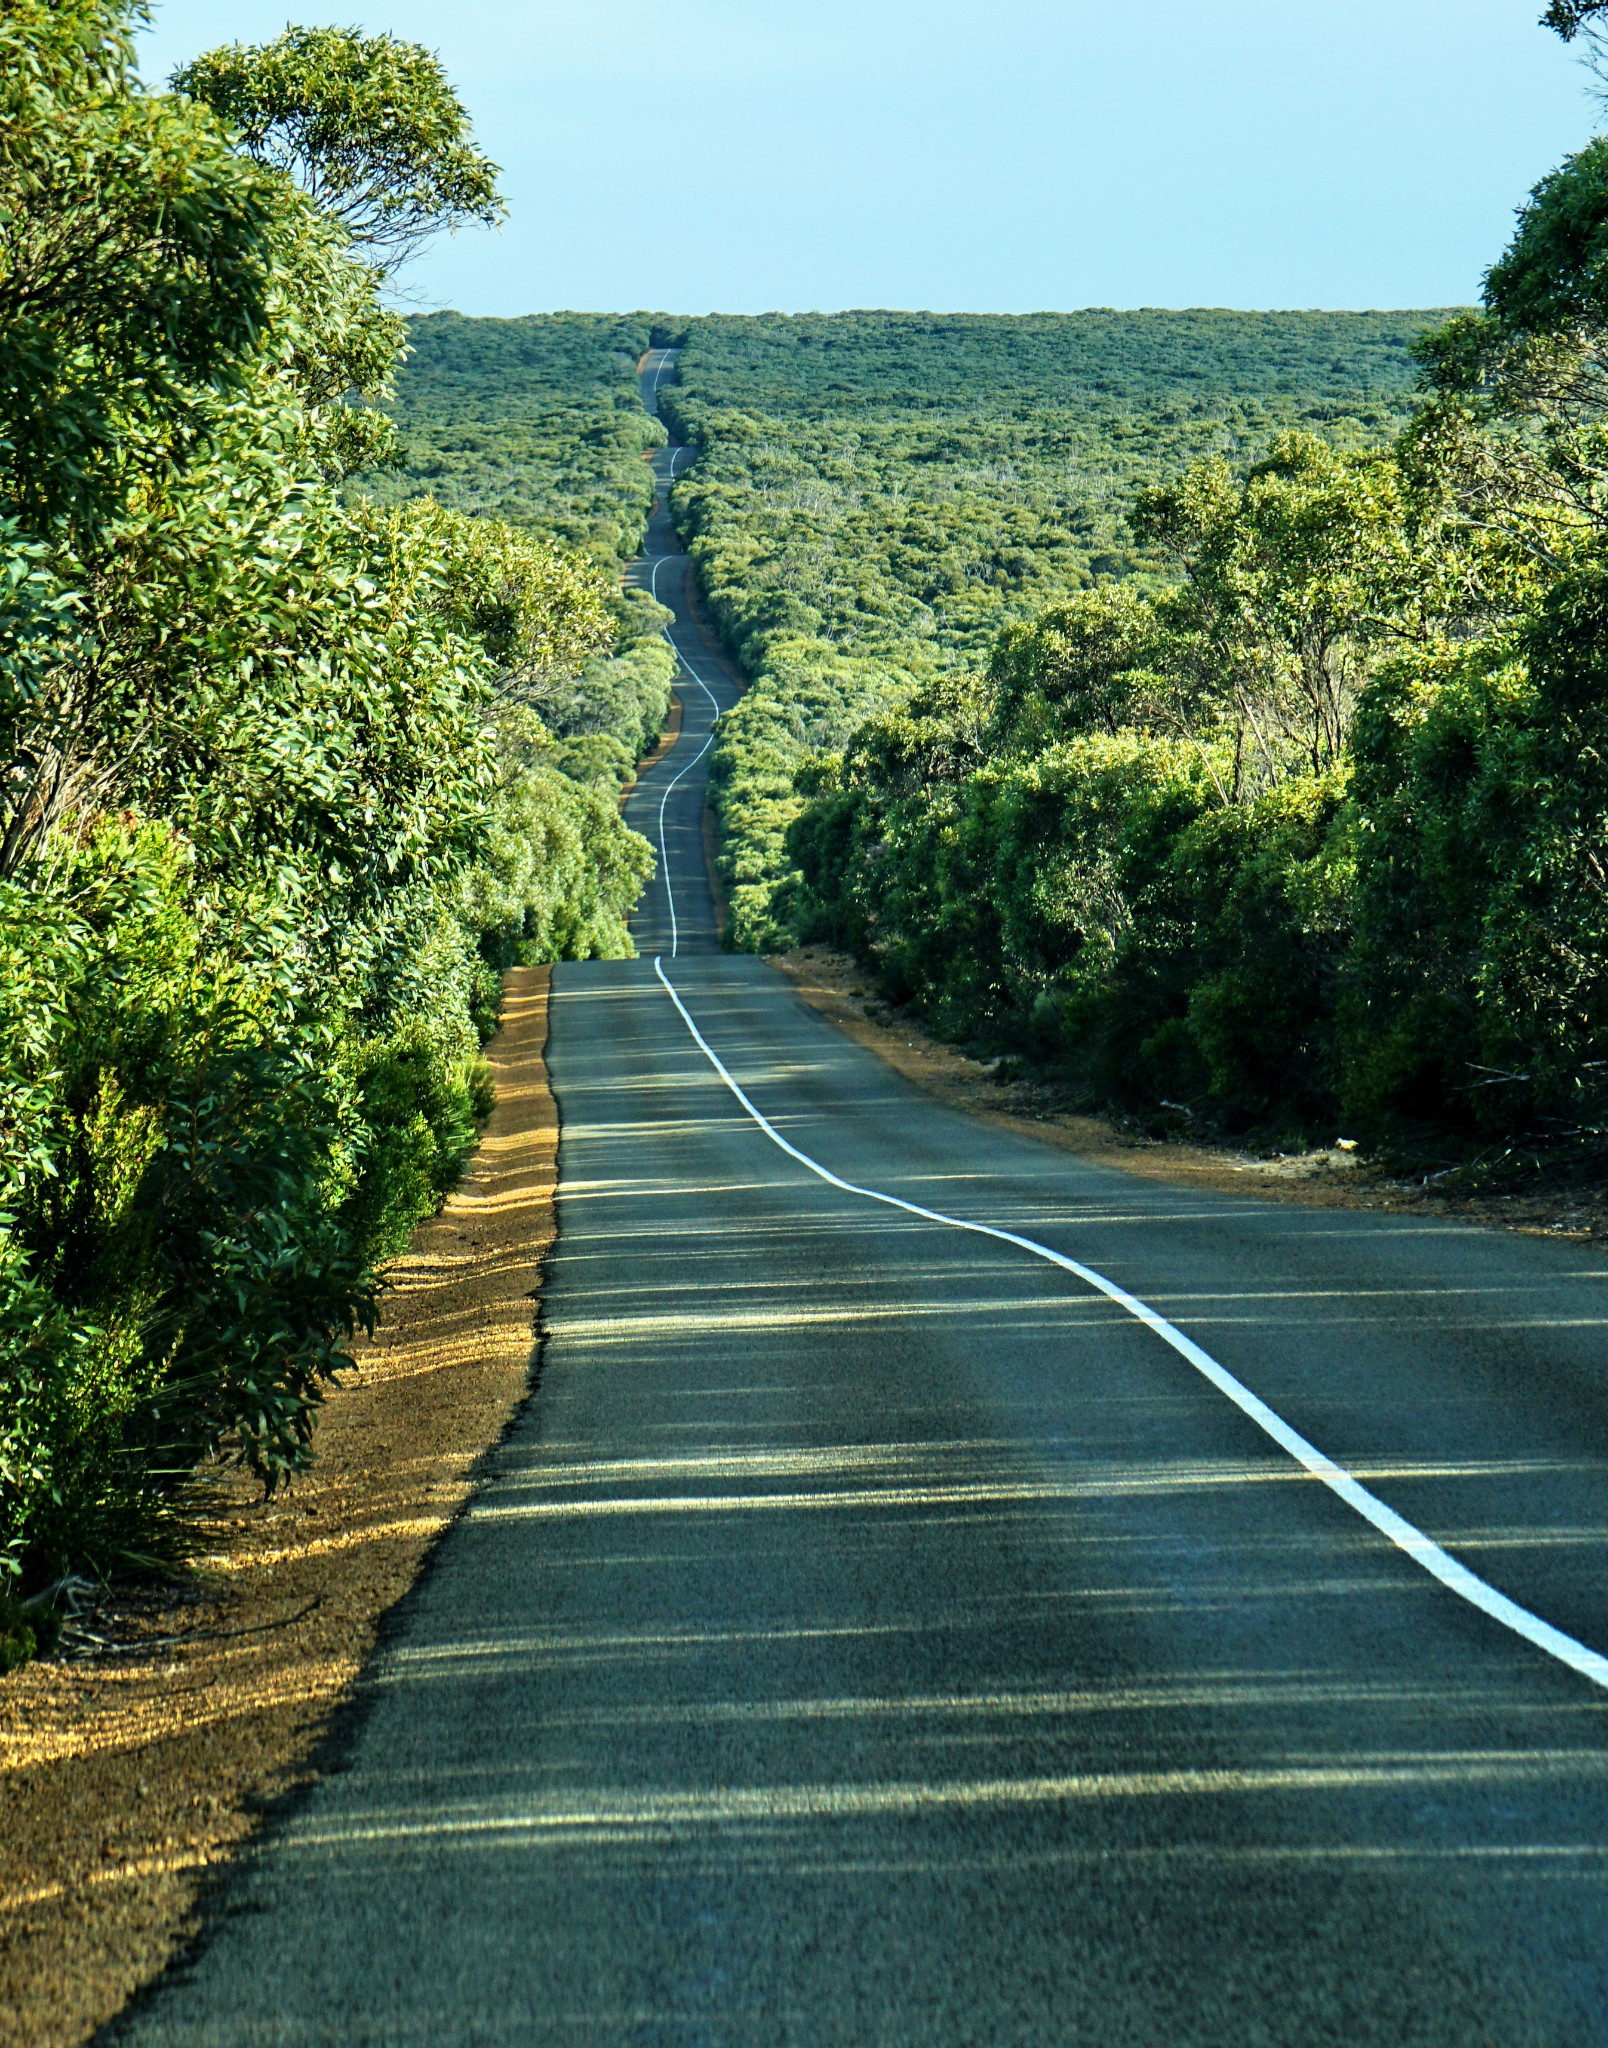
{"x":875,"y":1635}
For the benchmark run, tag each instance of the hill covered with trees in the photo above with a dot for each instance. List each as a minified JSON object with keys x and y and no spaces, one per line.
{"x":535,"y":421}
{"x":879,"y":495}
{"x":1295,"y":820}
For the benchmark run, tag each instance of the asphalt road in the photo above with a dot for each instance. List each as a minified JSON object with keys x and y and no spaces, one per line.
{"x":875,"y":1636}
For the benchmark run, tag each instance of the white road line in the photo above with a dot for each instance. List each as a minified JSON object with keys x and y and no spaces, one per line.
{"x":653,"y":591}
{"x":658,"y":380}
{"x":1422,"y":1549}
{"x":714,"y":705}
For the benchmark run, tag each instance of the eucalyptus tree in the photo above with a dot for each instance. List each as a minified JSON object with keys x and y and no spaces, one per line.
{"x":136,"y":258}
{"x":1290,"y":577}
{"x":367,"y":126}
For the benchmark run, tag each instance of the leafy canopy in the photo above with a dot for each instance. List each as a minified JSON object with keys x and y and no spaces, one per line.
{"x":275,"y":809}
{"x":879,"y":496}
{"x":135,"y":256}
{"x":367,"y":126}
{"x":1569,"y":17}
{"x":1555,"y":270}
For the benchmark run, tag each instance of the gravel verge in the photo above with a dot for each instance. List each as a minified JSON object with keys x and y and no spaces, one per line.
{"x":142,"y":1755}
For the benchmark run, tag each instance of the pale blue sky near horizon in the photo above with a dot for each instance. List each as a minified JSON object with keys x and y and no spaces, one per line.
{"x":723,"y":155}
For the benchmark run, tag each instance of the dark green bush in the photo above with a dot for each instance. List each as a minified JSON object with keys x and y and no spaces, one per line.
{"x":274,"y":808}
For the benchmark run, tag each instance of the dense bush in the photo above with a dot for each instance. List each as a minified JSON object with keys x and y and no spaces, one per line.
{"x":611,"y":713}
{"x":1475,"y":991}
{"x":276,"y":801}
{"x":535,"y":421}
{"x":1312,"y":834}
{"x":879,"y":495}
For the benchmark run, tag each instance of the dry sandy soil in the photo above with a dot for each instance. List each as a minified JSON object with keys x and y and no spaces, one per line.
{"x":141,"y":1756}
{"x":840,"y":989}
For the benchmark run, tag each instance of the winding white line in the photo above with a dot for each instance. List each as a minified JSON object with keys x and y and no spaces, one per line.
{"x":665,"y":364}
{"x":714,"y":705}
{"x":1422,"y":1549}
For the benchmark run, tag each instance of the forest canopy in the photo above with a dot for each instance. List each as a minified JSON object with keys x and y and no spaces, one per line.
{"x":534,"y":421}
{"x":1284,"y":817}
{"x":879,"y":495}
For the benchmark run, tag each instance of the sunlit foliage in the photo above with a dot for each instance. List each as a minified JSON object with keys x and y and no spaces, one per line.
{"x":277,"y":804}
{"x":1308,"y":832}
{"x":534,"y":421}
{"x":879,"y":495}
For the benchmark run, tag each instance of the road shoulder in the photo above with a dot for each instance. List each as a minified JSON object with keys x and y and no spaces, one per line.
{"x":141,"y":1760}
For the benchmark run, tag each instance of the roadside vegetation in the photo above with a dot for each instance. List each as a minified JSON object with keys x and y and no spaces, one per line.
{"x":288,"y":774}
{"x":879,"y":495}
{"x":1286,"y":815}
{"x":534,"y":421}
{"x":538,"y":424}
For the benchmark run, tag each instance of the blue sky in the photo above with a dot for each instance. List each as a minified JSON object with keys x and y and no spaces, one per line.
{"x":740,"y":155}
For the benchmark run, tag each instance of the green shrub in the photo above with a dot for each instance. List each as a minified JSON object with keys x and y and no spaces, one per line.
{"x":275,"y":811}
